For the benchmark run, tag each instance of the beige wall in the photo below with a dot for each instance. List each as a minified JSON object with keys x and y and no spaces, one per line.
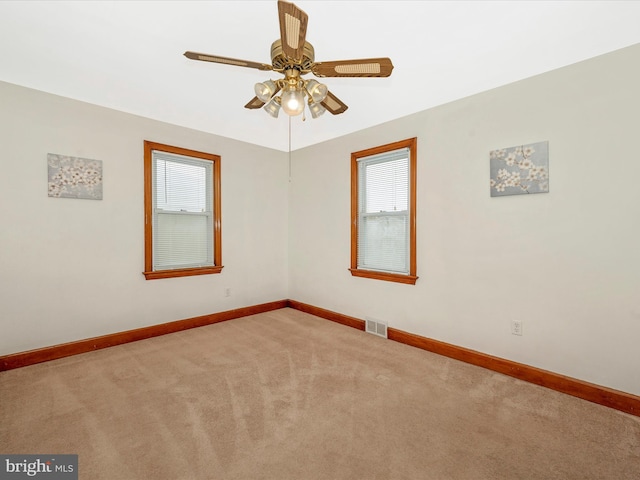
{"x":566,"y":263}
{"x":71,"y":269}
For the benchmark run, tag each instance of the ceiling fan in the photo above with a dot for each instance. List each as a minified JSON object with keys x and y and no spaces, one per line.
{"x":293,"y":56}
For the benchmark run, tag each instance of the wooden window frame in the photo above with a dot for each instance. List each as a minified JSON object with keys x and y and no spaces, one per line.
{"x":411,"y":278}
{"x":149,"y":273}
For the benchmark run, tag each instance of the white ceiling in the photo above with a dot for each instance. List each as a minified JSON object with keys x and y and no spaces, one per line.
{"x":127,"y":55}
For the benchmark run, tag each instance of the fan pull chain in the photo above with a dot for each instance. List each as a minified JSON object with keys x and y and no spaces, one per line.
{"x":289,"y":148}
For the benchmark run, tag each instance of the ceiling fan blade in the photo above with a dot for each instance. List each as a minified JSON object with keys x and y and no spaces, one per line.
{"x":293,"y":29}
{"x":227,"y":61}
{"x":254,"y":103}
{"x":333,"y":104}
{"x":365,"y":67}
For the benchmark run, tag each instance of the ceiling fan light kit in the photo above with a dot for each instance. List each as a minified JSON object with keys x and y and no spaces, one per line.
{"x":316,"y":90}
{"x":273,"y":107}
{"x":293,"y":56}
{"x":316,"y":109}
{"x":265,"y":90}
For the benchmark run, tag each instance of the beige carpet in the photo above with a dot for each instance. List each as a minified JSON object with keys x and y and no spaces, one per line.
{"x":285,"y":395}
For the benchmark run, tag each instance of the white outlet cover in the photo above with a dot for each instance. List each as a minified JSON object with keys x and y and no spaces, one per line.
{"x":516,"y":327}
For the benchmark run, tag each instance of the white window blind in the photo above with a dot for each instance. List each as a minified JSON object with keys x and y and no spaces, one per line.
{"x":383,"y":212}
{"x":182,"y":193}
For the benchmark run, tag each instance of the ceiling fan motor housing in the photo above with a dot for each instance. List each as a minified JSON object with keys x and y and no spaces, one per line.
{"x":281,"y":62}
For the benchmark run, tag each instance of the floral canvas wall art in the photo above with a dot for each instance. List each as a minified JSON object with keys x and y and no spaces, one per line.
{"x":520,"y":170}
{"x":73,"y":177}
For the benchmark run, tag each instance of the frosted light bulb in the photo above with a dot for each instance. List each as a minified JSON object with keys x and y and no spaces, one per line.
{"x":292,"y":102}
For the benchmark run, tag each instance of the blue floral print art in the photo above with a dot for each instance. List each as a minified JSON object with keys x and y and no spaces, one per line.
{"x":520,"y":170}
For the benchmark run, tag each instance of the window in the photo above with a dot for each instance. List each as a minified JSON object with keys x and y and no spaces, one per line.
{"x":182,"y":212}
{"x":383,"y":212}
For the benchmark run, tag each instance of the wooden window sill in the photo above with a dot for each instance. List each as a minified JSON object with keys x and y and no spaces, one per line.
{"x":389,"y":277}
{"x":182,"y":272}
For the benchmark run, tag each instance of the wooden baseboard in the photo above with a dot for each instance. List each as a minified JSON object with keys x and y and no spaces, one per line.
{"x":608,"y":397}
{"x":23,"y":359}
{"x":327,"y":314}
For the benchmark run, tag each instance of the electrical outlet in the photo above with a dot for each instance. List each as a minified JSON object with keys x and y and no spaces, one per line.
{"x":516,"y":327}
{"x":227,"y":292}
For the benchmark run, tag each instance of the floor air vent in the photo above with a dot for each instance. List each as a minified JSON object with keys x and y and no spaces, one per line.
{"x":376,"y":327}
